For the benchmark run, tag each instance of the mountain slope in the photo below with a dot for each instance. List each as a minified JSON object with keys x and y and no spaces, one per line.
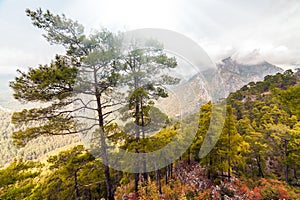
{"x":35,"y":149}
{"x":214,"y":84}
{"x":232,"y":75}
{"x":186,"y":98}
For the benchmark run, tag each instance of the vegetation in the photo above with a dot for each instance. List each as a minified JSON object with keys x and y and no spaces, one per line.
{"x":37,"y":149}
{"x":18,"y":179}
{"x":256,"y":155}
{"x":58,"y":84}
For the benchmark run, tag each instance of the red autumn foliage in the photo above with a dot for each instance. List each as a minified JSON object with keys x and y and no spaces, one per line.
{"x":257,"y":194}
{"x":244,"y":189}
{"x":283,"y":194}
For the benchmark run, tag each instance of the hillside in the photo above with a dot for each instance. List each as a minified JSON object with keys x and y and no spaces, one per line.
{"x":229,"y":75}
{"x":262,"y":126}
{"x":35,"y":149}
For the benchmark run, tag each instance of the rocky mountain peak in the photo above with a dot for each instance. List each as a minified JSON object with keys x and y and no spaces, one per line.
{"x":229,"y":64}
{"x":215,"y":84}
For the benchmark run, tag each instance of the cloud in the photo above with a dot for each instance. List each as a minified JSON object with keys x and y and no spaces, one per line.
{"x":222,"y":28}
{"x":281,"y":49}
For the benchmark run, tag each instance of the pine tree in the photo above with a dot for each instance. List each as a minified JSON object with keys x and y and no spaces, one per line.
{"x":88,"y":69}
{"x":145,"y":75}
{"x":230,"y":144}
{"x":74,"y":174}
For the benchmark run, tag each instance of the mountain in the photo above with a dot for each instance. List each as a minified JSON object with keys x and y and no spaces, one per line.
{"x":228,"y":76}
{"x":259,"y":145}
{"x":214,"y":84}
{"x":231,"y":75}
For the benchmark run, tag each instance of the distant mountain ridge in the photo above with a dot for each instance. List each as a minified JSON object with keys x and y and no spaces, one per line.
{"x":232,"y":75}
{"x":229,"y":76}
{"x":215,"y":84}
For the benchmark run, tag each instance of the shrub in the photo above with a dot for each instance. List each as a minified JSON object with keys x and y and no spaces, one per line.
{"x":269,"y":193}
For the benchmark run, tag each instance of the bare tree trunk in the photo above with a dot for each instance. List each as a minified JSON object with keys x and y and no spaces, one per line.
{"x":167,"y":174}
{"x":189,"y":156}
{"x":287,"y":173}
{"x":158,"y":183}
{"x":145,"y":174}
{"x":90,"y":194}
{"x":260,"y":172}
{"x":136,"y":184}
{"x":286,"y":165}
{"x":209,"y":169}
{"x":229,"y":161}
{"x":76,"y":185}
{"x":229,"y":166}
{"x":108,"y":182}
{"x":137,"y":139}
{"x":170,"y":166}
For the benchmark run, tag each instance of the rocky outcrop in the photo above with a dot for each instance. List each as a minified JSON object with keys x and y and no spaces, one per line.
{"x":214,"y":84}
{"x":230,"y":75}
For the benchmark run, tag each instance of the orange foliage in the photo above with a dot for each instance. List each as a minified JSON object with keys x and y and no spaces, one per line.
{"x":257,"y":194}
{"x":244,"y":189}
{"x":283,"y":193}
{"x":264,"y":182}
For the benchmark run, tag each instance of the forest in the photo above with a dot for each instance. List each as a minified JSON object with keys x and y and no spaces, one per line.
{"x":255,"y":156}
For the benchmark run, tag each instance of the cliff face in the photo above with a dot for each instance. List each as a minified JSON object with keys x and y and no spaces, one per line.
{"x":215,"y":84}
{"x":231,"y":75}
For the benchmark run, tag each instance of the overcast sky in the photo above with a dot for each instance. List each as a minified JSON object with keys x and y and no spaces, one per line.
{"x":249,"y":30}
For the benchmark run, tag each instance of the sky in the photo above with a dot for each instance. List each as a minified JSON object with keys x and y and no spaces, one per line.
{"x":248,"y":30}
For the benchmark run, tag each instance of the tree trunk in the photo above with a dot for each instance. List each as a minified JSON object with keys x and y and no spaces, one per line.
{"x":90,"y":194}
{"x":158,"y":183}
{"x":209,"y":168}
{"x":189,"y":156}
{"x":98,"y":189}
{"x":260,"y":172}
{"x":167,"y":174}
{"x":110,"y":195}
{"x":229,"y":151}
{"x":136,"y":178}
{"x":286,"y":165}
{"x":287,"y":173}
{"x":229,"y":166}
{"x":171,"y":170}
{"x":76,"y":185}
{"x":137,"y":139}
{"x":145,"y":174}
{"x":136,"y":184}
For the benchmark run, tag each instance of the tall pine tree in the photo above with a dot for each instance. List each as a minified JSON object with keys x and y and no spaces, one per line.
{"x":87,"y":69}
